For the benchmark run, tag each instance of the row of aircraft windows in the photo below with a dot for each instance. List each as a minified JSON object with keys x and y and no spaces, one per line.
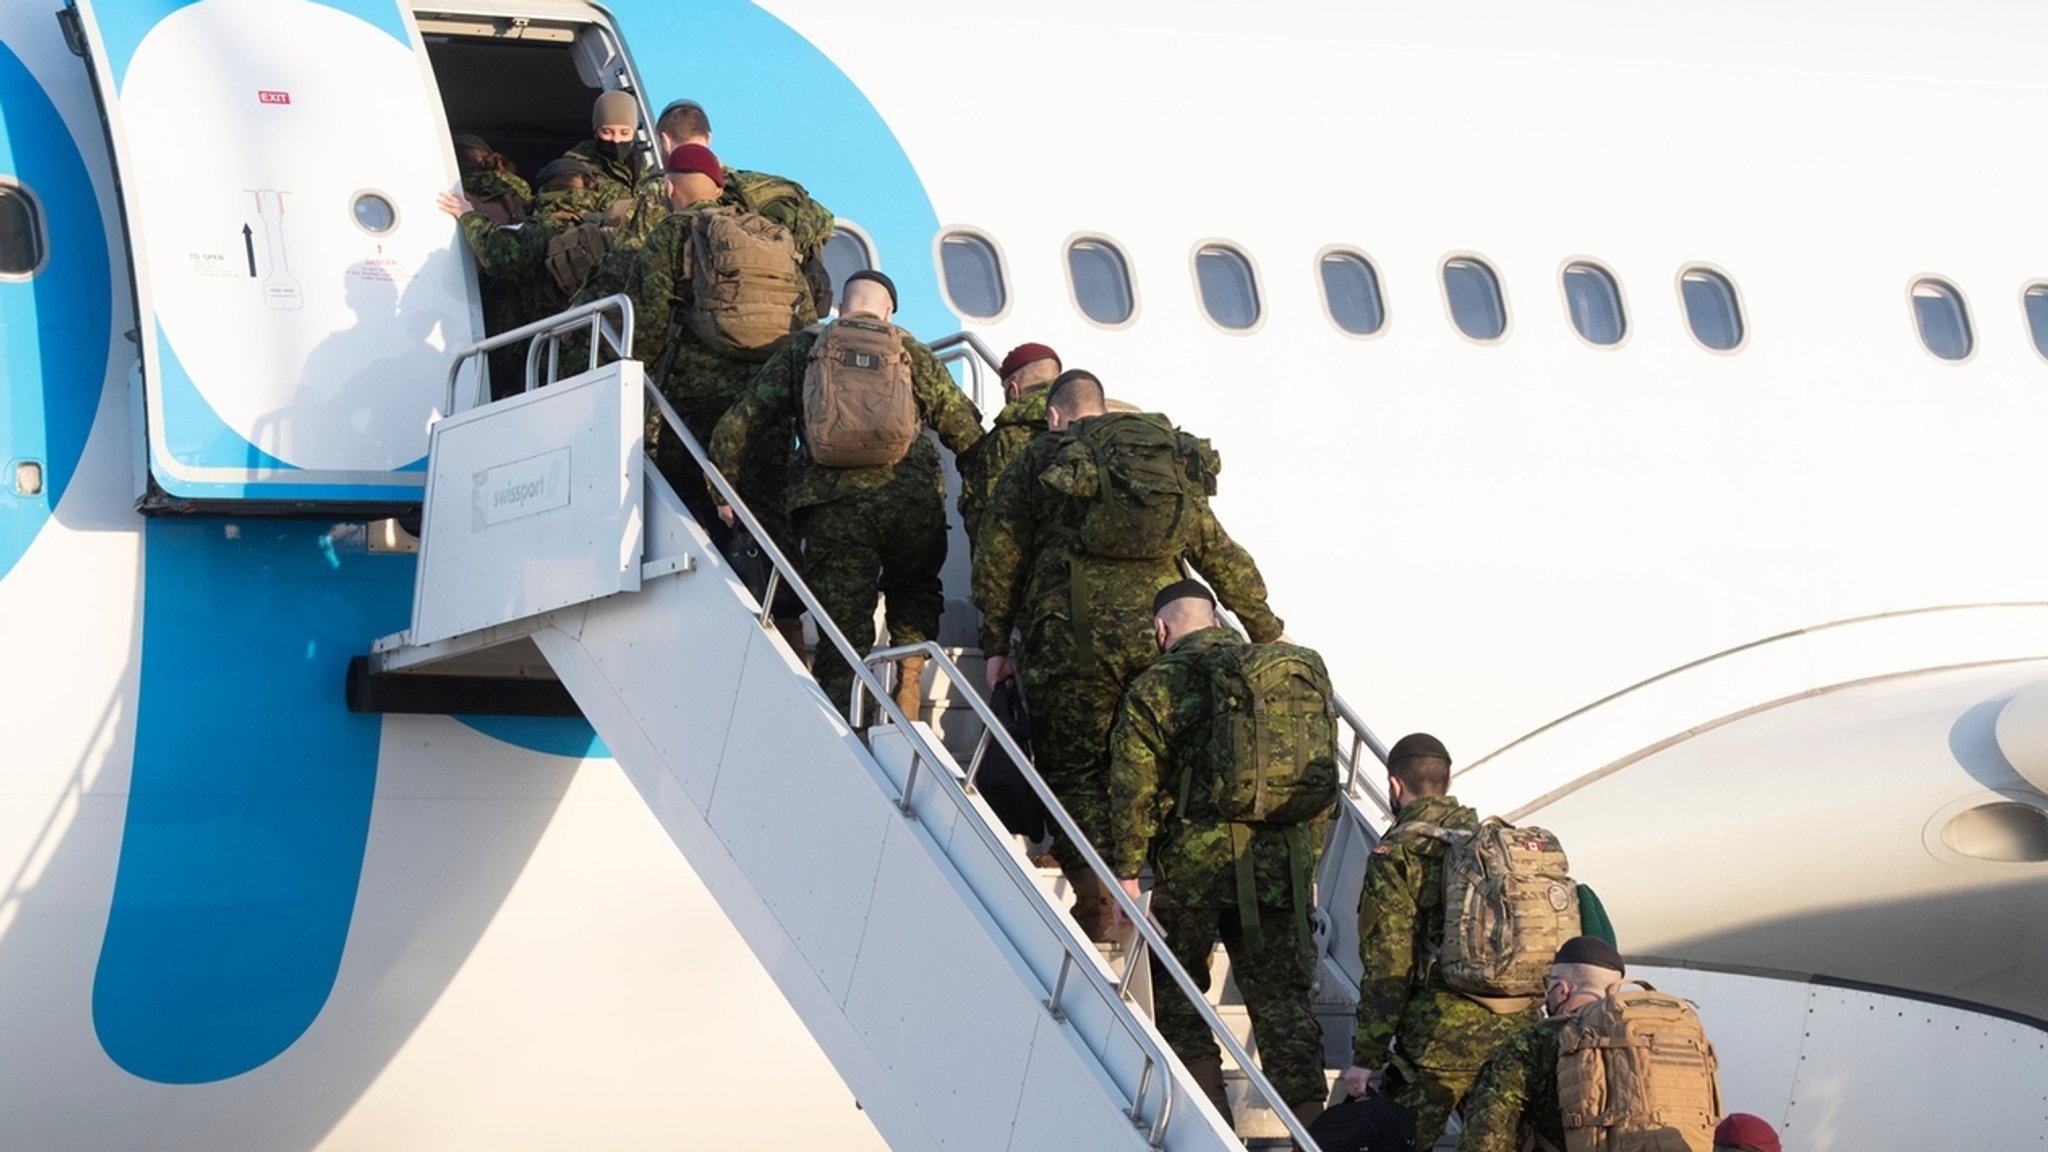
{"x":1099,"y":277}
{"x":1105,"y":292}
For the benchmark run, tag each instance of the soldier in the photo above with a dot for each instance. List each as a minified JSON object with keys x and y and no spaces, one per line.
{"x":516,"y":288}
{"x":1027,"y":372}
{"x":700,"y":382}
{"x":1161,"y":739}
{"x":777,"y":197}
{"x":1086,"y":619}
{"x":868,"y":529}
{"x":1430,"y":1038}
{"x":612,"y":152}
{"x":489,"y":181}
{"x":1516,"y":1090}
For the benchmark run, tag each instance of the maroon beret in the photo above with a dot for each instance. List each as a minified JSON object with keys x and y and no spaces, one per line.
{"x":1742,"y":1130}
{"x":1024,"y":354}
{"x":695,"y":158}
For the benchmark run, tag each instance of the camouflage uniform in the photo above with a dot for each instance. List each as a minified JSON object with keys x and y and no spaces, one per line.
{"x":1516,"y":1090}
{"x":1439,"y":1037}
{"x":809,"y":224}
{"x":1157,"y":750}
{"x":512,"y":275}
{"x":1015,"y":426}
{"x":859,"y":531}
{"x":1086,"y":623}
{"x":617,"y":179}
{"x":700,"y":383}
{"x":498,"y":193}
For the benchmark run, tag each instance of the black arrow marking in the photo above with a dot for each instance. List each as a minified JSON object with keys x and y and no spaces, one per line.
{"x":249,"y":246}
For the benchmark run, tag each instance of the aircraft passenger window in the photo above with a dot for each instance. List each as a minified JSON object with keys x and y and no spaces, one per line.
{"x":1593,"y":301}
{"x":1351,"y":293}
{"x":1101,"y":281}
{"x":21,"y":232}
{"x":1711,"y":308}
{"x":1473,"y":292}
{"x":846,"y":252}
{"x":973,"y":274}
{"x":1230,"y":293}
{"x":1944,"y":321}
{"x":2037,"y":316}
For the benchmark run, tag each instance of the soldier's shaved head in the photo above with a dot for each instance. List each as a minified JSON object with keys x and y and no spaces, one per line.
{"x":1178,"y":618}
{"x":861,"y":297}
{"x":1075,"y":395}
{"x":1422,"y":775}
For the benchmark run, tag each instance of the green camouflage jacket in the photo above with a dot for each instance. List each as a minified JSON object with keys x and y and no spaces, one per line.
{"x":774,"y":402}
{"x":500,"y":186}
{"x":783,"y":201}
{"x":1403,"y":997}
{"x":1026,"y":561}
{"x":1019,"y":421}
{"x":1160,"y":806}
{"x":616,"y":179}
{"x":510,"y":260}
{"x":1516,"y":1088}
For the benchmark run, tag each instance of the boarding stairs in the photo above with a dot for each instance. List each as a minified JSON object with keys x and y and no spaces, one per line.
{"x":932,"y":962}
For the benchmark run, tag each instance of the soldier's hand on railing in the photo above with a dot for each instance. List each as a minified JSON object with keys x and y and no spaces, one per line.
{"x":725,"y":514}
{"x":1137,"y":895}
{"x":999,"y":670}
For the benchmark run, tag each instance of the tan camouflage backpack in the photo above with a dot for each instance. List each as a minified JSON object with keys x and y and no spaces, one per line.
{"x":1509,"y":902}
{"x":577,"y":251}
{"x":746,"y":291}
{"x":859,"y":409}
{"x":1635,"y":1073}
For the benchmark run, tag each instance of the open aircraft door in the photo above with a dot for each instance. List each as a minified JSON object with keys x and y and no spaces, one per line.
{"x":299,"y":296}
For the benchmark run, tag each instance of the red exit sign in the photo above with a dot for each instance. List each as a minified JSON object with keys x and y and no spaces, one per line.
{"x":268,"y":97}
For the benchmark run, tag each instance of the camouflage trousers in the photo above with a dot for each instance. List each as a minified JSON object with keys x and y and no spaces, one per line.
{"x":1073,"y":698}
{"x":1274,"y":979}
{"x":869,"y":543}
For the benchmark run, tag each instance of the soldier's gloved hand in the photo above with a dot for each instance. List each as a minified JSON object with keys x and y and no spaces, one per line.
{"x":999,"y":670}
{"x":1358,"y":1081}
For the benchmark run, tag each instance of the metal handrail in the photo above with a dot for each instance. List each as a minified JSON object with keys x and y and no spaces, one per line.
{"x":1151,"y":938}
{"x":923,"y":749}
{"x":970,"y":349}
{"x":550,"y":331}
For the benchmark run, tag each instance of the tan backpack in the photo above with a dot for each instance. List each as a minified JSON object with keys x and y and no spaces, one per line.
{"x":1509,"y":902}
{"x":1635,"y":1073}
{"x":577,"y":251}
{"x":859,"y":409}
{"x":746,"y":290}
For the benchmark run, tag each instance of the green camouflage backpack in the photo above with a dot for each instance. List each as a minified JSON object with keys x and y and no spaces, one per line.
{"x":1141,"y":482}
{"x":1636,"y":1073}
{"x":1272,"y":733}
{"x":810,"y":225}
{"x":745,"y":290}
{"x":1509,"y":902}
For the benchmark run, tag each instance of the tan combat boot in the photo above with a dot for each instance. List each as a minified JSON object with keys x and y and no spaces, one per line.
{"x":1092,"y":905}
{"x":910,"y":686}
{"x":1208,"y":1076}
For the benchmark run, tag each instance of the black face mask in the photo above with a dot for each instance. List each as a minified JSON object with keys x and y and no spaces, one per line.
{"x":618,"y":151}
